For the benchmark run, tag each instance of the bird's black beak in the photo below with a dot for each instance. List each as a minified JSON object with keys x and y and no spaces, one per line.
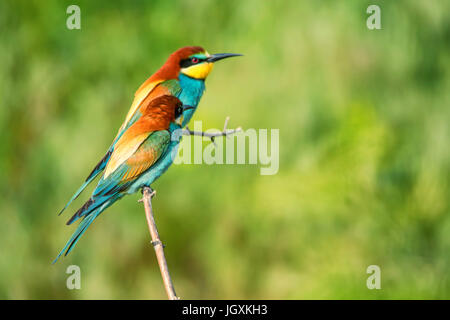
{"x":220,"y":56}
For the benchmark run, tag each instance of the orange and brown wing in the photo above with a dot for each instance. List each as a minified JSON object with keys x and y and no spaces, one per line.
{"x":132,"y":139}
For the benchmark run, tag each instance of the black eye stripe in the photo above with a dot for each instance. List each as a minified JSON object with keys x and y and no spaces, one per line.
{"x":188,"y":62}
{"x":178,"y":111}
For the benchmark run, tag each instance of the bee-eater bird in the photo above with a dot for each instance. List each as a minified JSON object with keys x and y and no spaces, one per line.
{"x":183,"y":76}
{"x":137,"y":160}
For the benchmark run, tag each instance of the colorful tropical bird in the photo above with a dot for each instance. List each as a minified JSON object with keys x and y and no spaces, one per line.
{"x":140,"y":153}
{"x":137,"y":160}
{"x":183,"y":76}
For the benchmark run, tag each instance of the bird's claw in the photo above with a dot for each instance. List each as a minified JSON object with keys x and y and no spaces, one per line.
{"x":149,"y":190}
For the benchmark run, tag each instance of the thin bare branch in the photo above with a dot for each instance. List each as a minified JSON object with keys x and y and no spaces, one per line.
{"x":148,"y":194}
{"x":212,"y":135}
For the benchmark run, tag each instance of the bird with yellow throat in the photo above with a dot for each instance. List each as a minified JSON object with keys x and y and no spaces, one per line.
{"x":183,"y":77}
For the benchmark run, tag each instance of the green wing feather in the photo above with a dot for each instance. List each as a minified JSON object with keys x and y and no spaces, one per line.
{"x":146,"y":155}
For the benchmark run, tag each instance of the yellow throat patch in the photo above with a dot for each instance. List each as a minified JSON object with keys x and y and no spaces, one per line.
{"x":198,"y":71}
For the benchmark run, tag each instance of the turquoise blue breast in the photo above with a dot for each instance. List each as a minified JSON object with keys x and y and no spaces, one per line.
{"x":191,"y":93}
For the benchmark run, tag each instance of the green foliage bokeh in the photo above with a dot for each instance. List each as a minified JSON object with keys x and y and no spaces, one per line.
{"x":364,"y":159}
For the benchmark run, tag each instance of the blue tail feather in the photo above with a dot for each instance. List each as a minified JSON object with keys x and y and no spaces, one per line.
{"x":82,"y":227}
{"x":91,"y":205}
{"x":98,"y":168}
{"x":76,"y":236}
{"x":83,"y":186}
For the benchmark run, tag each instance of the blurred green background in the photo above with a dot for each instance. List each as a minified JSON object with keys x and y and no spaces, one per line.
{"x":364,"y":158}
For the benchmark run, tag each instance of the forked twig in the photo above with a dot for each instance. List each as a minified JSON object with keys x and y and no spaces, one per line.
{"x":147,"y":195}
{"x":212,"y":135}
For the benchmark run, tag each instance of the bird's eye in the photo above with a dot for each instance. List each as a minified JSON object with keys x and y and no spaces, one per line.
{"x":194,"y":60}
{"x":178,"y":112}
